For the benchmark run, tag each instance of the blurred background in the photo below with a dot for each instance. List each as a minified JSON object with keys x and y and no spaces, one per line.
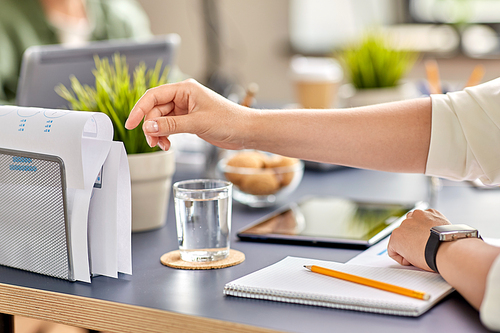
{"x":228,"y":42}
{"x":420,"y":47}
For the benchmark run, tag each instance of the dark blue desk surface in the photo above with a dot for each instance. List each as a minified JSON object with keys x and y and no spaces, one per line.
{"x":199,"y":293}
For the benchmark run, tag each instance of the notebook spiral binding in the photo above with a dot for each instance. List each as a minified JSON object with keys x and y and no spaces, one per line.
{"x":318,"y":300}
{"x":34,"y":228}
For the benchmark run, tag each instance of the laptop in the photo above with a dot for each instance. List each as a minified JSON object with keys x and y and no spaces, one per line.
{"x":46,"y":66}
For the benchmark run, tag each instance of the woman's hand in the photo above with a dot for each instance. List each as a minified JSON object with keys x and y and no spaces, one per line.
{"x":189,"y":107}
{"x":408,"y":241}
{"x":463,"y":263}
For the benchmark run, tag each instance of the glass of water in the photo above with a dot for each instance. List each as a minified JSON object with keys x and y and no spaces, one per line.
{"x":203,"y":218}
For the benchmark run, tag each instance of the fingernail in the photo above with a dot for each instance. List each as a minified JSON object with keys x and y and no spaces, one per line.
{"x":127,"y":124}
{"x":151,"y":126}
{"x":160,"y":144}
{"x":148,"y":139}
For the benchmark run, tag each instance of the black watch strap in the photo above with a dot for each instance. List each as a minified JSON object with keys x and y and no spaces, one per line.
{"x":431,"y":251}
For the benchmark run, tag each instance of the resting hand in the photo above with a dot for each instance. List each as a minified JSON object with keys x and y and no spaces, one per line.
{"x":189,"y":107}
{"x":408,"y":241}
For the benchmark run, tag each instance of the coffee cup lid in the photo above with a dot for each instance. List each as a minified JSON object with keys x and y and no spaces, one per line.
{"x":315,"y":69}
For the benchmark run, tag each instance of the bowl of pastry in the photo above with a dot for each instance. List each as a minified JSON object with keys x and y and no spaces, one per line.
{"x":260,"y":179}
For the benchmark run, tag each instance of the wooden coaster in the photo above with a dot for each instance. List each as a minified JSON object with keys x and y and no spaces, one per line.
{"x":173,"y":259}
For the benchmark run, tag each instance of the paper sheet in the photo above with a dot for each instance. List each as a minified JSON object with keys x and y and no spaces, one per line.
{"x":124,"y":213}
{"x":376,"y":255}
{"x":288,"y":281}
{"x":110,"y":216}
{"x":53,"y":132}
{"x":94,"y":154}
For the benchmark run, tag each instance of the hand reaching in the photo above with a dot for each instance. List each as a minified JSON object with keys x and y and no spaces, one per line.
{"x":189,"y":107}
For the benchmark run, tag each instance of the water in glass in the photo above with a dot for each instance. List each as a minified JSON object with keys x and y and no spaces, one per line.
{"x":203,"y":227}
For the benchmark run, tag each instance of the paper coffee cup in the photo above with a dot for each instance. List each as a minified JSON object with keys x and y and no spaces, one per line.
{"x":316,"y":81}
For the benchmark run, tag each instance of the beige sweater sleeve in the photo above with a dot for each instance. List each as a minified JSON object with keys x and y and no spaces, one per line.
{"x":465,"y":137}
{"x":465,"y":145}
{"x":490,"y":308}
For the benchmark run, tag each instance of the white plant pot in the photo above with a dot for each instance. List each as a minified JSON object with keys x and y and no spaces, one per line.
{"x":352,"y":97}
{"x":151,"y":178}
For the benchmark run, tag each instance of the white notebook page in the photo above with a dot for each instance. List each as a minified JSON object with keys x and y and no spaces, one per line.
{"x":288,"y":280}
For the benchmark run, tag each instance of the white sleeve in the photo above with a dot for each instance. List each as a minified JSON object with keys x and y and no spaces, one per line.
{"x":465,"y":136}
{"x":490,"y":308}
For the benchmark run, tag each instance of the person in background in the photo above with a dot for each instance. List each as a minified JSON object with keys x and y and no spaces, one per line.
{"x":456,"y":135}
{"x":24,"y":23}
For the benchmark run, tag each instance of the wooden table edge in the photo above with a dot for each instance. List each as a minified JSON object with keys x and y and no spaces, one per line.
{"x":107,"y":316}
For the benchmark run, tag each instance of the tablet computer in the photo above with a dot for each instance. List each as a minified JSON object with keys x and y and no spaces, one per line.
{"x":46,"y":66}
{"x":329,"y":221}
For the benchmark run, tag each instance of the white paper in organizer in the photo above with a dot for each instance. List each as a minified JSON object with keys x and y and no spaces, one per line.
{"x":83,"y":140}
{"x":110,"y":240}
{"x":94,"y":154}
{"x":54,"y":132}
{"x":124,"y":211}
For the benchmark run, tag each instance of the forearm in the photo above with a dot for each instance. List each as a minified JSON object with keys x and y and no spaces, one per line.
{"x":389,"y":137}
{"x":465,"y":264}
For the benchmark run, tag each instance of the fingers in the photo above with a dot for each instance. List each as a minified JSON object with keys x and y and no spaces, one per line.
{"x":160,"y":111}
{"x":156,"y":99}
{"x":147,"y":104}
{"x":152,"y":140}
{"x":134,"y":118}
{"x":397,"y":257}
{"x":157,"y":130}
{"x":164,"y":143}
{"x":165,"y":126}
{"x":407,"y":242}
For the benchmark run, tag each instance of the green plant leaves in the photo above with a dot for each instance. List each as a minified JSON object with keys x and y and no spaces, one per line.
{"x":115,"y":94}
{"x":372,"y":64}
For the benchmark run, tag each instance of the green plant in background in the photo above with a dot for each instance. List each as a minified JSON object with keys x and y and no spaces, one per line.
{"x":115,"y":94}
{"x":373,"y":64}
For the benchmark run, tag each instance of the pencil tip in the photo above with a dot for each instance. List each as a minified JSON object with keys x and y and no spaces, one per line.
{"x":307,"y":267}
{"x":426,"y":297}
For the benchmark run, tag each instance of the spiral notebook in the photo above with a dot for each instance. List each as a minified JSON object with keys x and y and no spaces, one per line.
{"x":288,"y":281}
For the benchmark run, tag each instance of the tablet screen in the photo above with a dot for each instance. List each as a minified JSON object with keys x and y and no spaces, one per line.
{"x":329,"y":218}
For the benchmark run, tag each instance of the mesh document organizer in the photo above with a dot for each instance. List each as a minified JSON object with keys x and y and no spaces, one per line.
{"x":33,"y":219}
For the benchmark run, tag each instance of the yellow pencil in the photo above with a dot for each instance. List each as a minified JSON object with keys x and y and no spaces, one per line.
{"x":369,"y":282}
{"x":252,"y":89}
{"x":432,"y":71}
{"x":476,"y":76}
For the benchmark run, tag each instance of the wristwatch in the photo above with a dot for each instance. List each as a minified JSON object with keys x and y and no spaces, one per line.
{"x":446,"y":233}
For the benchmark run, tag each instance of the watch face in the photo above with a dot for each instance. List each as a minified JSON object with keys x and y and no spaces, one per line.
{"x":454,"y":231}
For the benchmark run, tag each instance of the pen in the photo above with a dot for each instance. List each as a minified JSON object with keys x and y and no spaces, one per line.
{"x":431,"y":68}
{"x":252,"y":89}
{"x":369,"y":282}
{"x":476,"y":76}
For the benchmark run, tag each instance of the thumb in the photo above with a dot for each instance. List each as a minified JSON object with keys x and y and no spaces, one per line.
{"x":165,"y":126}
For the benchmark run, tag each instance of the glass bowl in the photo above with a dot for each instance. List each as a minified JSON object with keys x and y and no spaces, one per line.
{"x":260,"y":179}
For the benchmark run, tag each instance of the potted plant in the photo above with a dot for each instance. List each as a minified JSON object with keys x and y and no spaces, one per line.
{"x":115,"y":93}
{"x":375,"y":70}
